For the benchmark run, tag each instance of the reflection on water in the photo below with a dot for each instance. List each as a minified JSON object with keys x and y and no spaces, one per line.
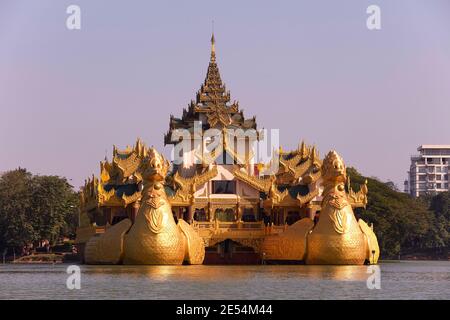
{"x":399,"y":280}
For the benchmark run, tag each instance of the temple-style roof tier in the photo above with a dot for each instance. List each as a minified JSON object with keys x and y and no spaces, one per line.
{"x":124,"y":166}
{"x":299,"y":166}
{"x":212,"y":106}
{"x":183,"y":188}
{"x":294,"y":184}
{"x":120,"y":182}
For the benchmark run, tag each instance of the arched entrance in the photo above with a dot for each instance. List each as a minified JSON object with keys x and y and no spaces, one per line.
{"x":292,"y":217}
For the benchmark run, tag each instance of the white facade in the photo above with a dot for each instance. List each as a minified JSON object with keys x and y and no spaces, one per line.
{"x":429,"y":170}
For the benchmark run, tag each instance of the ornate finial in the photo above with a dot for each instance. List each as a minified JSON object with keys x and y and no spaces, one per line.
{"x":139,"y":147}
{"x":314,"y":154}
{"x":303,"y":150}
{"x":213,"y":42}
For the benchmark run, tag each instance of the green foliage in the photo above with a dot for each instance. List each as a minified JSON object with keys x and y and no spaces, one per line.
{"x":402,"y":223}
{"x":35,"y":208}
{"x":16,"y":219}
{"x":440,"y":204}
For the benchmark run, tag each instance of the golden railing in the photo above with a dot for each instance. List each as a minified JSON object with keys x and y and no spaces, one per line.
{"x":228,"y":225}
{"x":250,"y":227}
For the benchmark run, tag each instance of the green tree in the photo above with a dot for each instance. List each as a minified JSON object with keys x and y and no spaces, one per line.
{"x":53,"y":202}
{"x":16,"y":219}
{"x":402,"y":223}
{"x":35,"y":208}
{"x":440,"y":205}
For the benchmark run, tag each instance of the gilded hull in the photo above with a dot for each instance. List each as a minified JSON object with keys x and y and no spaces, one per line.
{"x":289,"y":245}
{"x":373,"y":250}
{"x":337,"y":239}
{"x":194,"y":245}
{"x":108,"y":247}
{"x":154,"y":238}
{"x":336,"y":249}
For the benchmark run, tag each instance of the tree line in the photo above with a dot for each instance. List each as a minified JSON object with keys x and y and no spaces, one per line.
{"x":403,"y":224}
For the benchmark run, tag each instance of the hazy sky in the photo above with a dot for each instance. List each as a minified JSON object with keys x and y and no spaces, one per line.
{"x":310,"y":68}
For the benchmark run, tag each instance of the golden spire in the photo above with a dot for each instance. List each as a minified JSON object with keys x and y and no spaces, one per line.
{"x":213,"y":49}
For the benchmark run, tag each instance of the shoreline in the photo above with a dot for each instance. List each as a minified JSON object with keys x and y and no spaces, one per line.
{"x":79,"y":262}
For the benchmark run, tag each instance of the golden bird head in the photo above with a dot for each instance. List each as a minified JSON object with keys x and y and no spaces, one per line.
{"x":155,"y":166}
{"x":333,"y":167}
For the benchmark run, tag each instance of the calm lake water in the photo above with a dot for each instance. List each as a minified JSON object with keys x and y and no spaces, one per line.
{"x":399,"y":280}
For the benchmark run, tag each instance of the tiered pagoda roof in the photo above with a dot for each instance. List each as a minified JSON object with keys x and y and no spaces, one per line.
{"x":294,"y":182}
{"x":119,"y":183}
{"x":213,"y":100}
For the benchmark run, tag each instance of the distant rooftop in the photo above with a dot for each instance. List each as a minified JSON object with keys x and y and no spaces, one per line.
{"x":433,"y":146}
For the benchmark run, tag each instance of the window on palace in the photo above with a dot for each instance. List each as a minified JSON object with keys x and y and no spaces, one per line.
{"x":227,"y":215}
{"x":224,"y":186}
{"x":248,"y":215}
{"x":200,"y":215}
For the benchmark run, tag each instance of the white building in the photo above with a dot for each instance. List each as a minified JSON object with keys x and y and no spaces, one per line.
{"x":429,"y":170}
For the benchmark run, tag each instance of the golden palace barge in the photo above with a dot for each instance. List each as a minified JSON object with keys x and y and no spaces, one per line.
{"x":222,"y":208}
